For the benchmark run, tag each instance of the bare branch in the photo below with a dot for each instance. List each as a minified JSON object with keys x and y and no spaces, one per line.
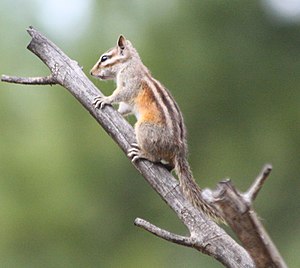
{"x":252,"y":192}
{"x":240,"y":216}
{"x":48,"y":80}
{"x":171,"y":237}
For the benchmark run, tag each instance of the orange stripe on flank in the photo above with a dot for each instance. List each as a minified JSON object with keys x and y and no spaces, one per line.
{"x":147,"y":106}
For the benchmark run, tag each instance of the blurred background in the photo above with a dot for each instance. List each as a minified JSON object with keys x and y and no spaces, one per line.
{"x":69,"y":196}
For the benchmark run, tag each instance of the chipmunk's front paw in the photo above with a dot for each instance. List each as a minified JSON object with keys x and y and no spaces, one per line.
{"x":134,"y":152}
{"x":100,"y":102}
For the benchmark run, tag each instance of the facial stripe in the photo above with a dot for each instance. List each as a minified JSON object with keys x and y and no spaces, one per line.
{"x":112,"y":58}
{"x":112,"y":62}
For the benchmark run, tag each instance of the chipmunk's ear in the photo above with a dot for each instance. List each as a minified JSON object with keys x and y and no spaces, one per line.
{"x":122,"y":42}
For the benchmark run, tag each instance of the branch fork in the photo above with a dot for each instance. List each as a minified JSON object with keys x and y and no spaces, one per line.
{"x":237,"y":210}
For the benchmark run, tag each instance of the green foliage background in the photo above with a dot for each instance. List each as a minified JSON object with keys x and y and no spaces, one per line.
{"x":68,"y":195}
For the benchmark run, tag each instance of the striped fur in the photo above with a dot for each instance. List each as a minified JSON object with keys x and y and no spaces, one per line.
{"x":160,"y":129}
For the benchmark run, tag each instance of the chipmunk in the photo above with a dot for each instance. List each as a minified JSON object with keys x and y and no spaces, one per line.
{"x":160,"y":130}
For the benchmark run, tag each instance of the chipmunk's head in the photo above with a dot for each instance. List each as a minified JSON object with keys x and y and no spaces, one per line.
{"x":114,"y":60}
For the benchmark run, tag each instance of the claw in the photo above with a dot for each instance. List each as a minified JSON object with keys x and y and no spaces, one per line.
{"x":100,"y":102}
{"x":134,"y":145}
{"x":134,"y":152}
{"x":135,"y":158}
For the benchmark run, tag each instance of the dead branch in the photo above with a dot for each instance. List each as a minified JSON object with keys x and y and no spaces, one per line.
{"x":48,"y":80}
{"x":174,"y":238}
{"x":237,"y":210}
{"x":254,"y":189}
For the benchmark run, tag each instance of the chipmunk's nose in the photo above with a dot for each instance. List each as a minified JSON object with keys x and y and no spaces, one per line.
{"x":92,"y":71}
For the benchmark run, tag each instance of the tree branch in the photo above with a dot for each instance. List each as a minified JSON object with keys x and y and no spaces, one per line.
{"x":237,"y":210}
{"x":174,"y":238}
{"x":48,"y":80}
{"x":254,"y":189}
{"x":206,"y":236}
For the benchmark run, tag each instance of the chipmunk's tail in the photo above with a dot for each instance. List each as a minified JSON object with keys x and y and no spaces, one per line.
{"x":192,"y":191}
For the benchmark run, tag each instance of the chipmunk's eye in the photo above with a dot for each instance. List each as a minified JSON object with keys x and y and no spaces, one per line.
{"x":104,"y":58}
